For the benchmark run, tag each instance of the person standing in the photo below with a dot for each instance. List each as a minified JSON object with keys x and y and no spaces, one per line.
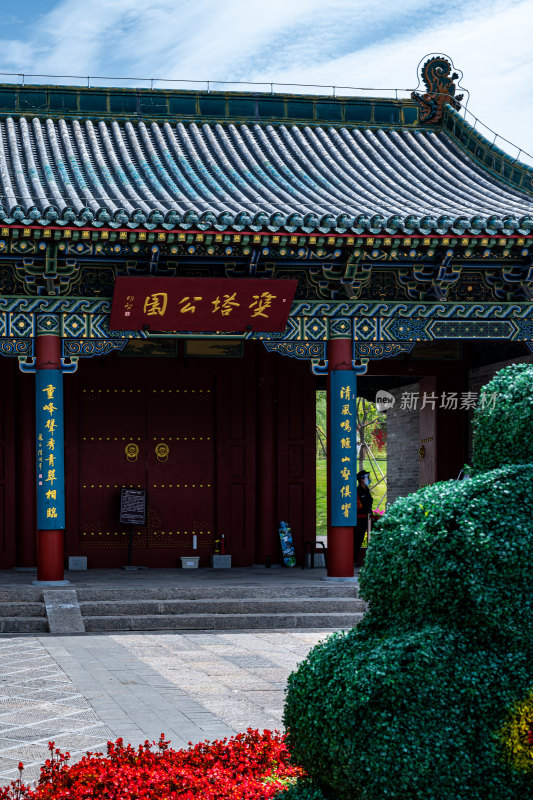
{"x":364,"y":511}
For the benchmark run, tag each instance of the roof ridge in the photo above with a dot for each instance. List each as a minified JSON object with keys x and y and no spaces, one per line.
{"x":134,"y":104}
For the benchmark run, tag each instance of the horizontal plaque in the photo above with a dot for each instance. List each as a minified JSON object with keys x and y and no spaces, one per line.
{"x":201,"y":304}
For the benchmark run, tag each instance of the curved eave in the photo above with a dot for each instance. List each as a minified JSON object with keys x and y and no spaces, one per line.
{"x":376,"y":226}
{"x":408,"y":226}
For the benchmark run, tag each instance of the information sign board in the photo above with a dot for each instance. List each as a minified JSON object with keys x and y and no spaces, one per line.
{"x":50,"y":451}
{"x":132,"y":506}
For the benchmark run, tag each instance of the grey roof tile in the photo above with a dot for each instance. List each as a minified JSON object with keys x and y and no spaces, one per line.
{"x":248,"y":176}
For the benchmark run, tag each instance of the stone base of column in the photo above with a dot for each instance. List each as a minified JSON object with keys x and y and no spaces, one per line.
{"x":51,"y":583}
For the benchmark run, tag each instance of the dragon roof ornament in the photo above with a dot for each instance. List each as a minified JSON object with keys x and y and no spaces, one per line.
{"x":440,"y":89}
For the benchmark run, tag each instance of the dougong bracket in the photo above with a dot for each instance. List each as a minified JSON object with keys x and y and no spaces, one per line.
{"x":320,"y":366}
{"x":27,"y":365}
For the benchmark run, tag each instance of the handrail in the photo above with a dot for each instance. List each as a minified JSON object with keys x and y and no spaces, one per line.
{"x":208,"y":84}
{"x":477,"y":121}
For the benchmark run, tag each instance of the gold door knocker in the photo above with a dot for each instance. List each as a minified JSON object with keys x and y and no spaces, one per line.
{"x":421,"y":453}
{"x":161,"y":451}
{"x":132,"y":451}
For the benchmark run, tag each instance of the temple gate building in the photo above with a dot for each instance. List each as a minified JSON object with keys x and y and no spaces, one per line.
{"x":180,"y":271}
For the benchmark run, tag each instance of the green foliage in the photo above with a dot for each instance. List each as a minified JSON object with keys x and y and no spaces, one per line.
{"x":503,"y":430}
{"x":407,"y":714}
{"x":321,"y":498}
{"x":302,"y":790}
{"x":416,"y":701}
{"x":321,"y":411}
{"x":457,"y":552}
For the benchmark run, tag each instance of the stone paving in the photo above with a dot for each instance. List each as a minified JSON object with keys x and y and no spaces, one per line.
{"x":38,"y":702}
{"x":81,"y":691}
{"x":239,"y":677}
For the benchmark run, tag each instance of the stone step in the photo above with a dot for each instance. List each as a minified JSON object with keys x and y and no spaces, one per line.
{"x":23,"y":624}
{"x":28,"y":594}
{"x":180,"y":622}
{"x":14,"y":608}
{"x":210,"y":606}
{"x":199,"y":607}
{"x":243,"y":592}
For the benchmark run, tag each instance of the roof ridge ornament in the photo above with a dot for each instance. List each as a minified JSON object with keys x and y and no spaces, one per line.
{"x":440,"y":88}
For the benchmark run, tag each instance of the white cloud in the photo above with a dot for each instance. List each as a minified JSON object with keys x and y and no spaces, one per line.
{"x":341,"y":42}
{"x":493,"y":50}
{"x":16,"y":54}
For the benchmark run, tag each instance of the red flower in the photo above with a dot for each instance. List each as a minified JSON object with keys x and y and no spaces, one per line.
{"x":249,"y":766}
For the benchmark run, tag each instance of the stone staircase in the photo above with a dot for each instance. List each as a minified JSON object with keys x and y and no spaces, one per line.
{"x":22,"y":611}
{"x":191,"y":608}
{"x":219,"y":608}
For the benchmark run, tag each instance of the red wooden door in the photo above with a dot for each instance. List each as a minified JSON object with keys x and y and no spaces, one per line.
{"x":297,"y":449}
{"x":180,"y":466}
{"x":154,"y":432}
{"x":236,"y":464}
{"x":111,"y":455}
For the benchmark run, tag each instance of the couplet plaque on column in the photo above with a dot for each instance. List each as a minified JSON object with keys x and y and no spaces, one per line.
{"x":343,"y":448}
{"x":50,"y":450}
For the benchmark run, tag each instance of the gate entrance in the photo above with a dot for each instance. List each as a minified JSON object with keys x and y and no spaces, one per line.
{"x":156,"y":438}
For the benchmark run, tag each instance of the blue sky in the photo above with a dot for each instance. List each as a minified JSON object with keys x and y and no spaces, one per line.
{"x":356,"y":43}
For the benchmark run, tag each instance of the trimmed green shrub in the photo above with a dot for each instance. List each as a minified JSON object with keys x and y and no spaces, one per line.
{"x":503,"y":424}
{"x":409,"y":714}
{"x":302,"y":790}
{"x":431,"y":696}
{"x":457,"y":552}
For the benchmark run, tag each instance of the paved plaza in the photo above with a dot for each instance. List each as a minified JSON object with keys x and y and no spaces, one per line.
{"x":80,"y":691}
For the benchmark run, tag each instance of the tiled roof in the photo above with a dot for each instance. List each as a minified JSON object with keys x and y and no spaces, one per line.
{"x":248,"y":176}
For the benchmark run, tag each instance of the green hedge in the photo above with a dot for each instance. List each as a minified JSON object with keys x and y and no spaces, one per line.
{"x":303,"y":790}
{"x":418,"y":701}
{"x":503,"y":431}
{"x":459,"y":553}
{"x":410,"y":714}
{"x":407,"y":715}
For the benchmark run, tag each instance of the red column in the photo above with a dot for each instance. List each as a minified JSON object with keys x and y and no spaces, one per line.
{"x":49,"y":542}
{"x":340,"y":539}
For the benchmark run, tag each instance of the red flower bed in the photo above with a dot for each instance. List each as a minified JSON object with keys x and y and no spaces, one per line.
{"x":249,"y":766}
